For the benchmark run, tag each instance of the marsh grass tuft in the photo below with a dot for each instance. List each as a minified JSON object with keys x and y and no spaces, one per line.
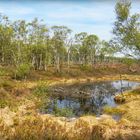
{"x":113,"y":110}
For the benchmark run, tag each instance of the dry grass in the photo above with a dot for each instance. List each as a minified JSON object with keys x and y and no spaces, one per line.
{"x":130,"y":109}
{"x":26,"y":124}
{"x":34,"y":127}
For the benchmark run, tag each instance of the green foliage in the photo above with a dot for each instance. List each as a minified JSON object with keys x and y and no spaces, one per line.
{"x":59,"y":112}
{"x":127,"y":29}
{"x":3,"y":72}
{"x":128,"y":61}
{"x":23,"y":42}
{"x":64,"y":112}
{"x":41,"y":89}
{"x":85,"y":68}
{"x":40,"y":93}
{"x":123,"y":10}
{"x":22,"y":71}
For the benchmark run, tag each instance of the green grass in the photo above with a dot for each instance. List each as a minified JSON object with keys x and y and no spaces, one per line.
{"x":113,"y":110}
{"x":63,"y":112}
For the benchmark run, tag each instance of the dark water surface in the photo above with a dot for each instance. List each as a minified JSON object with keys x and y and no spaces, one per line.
{"x":87,"y":98}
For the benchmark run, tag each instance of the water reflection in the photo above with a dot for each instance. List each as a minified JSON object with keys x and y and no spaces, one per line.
{"x":89,"y":97}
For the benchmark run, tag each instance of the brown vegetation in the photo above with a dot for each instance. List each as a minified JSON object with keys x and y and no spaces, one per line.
{"x":20,"y":120}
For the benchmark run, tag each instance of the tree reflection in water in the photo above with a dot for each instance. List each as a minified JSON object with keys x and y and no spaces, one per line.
{"x":89,"y":97}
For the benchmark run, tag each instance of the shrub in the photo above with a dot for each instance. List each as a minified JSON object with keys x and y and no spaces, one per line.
{"x":40,"y":92}
{"x":41,"y":89}
{"x":22,"y":71}
{"x":128,"y":61}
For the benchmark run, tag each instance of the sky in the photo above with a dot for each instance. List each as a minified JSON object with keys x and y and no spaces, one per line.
{"x":91,"y":16}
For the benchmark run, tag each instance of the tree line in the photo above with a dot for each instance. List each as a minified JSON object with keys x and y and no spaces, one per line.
{"x":35,"y":45}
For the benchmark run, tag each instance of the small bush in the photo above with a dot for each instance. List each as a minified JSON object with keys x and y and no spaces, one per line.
{"x":40,"y":92}
{"x":129,"y":61}
{"x":41,"y":89}
{"x":22,"y":71}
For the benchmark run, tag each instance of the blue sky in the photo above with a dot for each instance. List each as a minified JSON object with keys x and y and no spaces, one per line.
{"x":92,"y":16}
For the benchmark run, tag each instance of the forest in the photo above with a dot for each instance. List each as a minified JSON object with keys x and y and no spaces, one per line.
{"x":58,"y":84}
{"x":33,"y":45}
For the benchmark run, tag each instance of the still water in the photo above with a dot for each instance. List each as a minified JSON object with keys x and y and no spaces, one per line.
{"x":87,"y":98}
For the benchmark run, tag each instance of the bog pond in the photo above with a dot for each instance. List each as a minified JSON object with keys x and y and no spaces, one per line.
{"x":86,"y":98}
